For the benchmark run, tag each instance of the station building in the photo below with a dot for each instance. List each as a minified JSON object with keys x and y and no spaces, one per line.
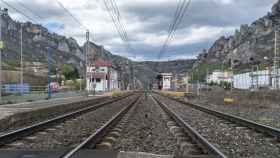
{"x":102,"y":77}
{"x":220,"y":76}
{"x":164,"y":81}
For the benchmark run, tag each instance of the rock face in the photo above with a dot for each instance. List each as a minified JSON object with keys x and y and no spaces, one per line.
{"x":37,"y":40}
{"x":248,"y":44}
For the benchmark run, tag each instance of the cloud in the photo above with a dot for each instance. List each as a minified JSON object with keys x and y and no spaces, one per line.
{"x":147,"y":23}
{"x":224,"y":2}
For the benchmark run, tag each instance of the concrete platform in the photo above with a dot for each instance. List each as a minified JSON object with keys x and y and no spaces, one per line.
{"x":12,"y":109}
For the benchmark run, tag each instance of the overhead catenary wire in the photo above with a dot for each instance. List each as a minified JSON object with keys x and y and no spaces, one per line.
{"x":30,"y":10}
{"x":118,"y":15}
{"x":114,"y":13}
{"x":19,"y":11}
{"x":179,"y":15}
{"x":180,"y":19}
{"x":71,"y":15}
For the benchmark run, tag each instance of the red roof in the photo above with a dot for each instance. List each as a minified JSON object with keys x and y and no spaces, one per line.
{"x":102,"y":63}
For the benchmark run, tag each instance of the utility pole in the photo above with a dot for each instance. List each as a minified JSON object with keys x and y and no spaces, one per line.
{"x":276,"y":73}
{"x":232,"y":77}
{"x":132,"y":76}
{"x":21,"y":60}
{"x":86,"y":58}
{"x":207,"y":75}
{"x":192,"y":83}
{"x":49,"y":74}
{"x":198,"y":88}
{"x":1,"y":49}
{"x":187,"y":83}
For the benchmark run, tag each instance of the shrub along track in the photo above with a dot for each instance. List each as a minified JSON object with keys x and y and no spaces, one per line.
{"x":233,"y":139}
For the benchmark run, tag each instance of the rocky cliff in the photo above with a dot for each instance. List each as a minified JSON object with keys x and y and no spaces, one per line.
{"x":37,"y":41}
{"x":250,"y":44}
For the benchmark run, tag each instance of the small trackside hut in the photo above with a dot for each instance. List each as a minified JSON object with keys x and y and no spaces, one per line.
{"x":102,"y":77}
{"x":164,"y":81}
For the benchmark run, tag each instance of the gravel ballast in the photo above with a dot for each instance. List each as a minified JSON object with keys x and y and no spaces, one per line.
{"x":234,"y":141}
{"x":72,"y":132}
{"x":146,"y":131}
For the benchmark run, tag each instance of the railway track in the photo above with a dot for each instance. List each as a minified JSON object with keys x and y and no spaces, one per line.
{"x":95,"y":139}
{"x":32,"y":129}
{"x":191,"y":143}
{"x":274,"y":132}
{"x":234,"y":136}
{"x":188,"y":137}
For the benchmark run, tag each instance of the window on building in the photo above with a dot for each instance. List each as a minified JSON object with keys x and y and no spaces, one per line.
{"x":98,"y":80}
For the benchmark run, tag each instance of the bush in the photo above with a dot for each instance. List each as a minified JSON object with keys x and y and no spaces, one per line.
{"x":119,"y":93}
{"x":69,"y":71}
{"x":173,"y":94}
{"x":69,"y":83}
{"x":225,"y":85}
{"x":212,"y":84}
{"x":79,"y":83}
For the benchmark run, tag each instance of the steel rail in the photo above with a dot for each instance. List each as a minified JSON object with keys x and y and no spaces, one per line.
{"x":199,"y":139}
{"x":29,"y":130}
{"x":93,"y":139}
{"x":271,"y":131}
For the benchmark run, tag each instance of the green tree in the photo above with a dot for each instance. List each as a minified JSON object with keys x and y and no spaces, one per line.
{"x":69,"y":71}
{"x":53,"y":70}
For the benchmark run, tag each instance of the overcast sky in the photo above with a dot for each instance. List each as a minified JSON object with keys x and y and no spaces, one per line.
{"x":147,"y":23}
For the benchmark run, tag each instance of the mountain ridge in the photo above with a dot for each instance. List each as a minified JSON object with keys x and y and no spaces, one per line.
{"x":37,"y":41}
{"x":248,"y":45}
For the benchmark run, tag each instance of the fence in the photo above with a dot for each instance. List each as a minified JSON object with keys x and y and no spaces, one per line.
{"x":257,"y":79}
{"x":15,"y":93}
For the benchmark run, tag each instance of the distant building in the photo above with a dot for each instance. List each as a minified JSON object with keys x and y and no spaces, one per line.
{"x":102,"y":77}
{"x":258,"y":79}
{"x":164,"y":81}
{"x":220,"y":76}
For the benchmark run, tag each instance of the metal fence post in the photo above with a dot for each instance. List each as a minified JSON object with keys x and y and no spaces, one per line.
{"x":49,"y":74}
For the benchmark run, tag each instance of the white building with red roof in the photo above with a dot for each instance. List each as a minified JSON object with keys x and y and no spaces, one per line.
{"x":102,"y":77}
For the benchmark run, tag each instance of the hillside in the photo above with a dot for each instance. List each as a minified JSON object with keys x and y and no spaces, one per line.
{"x":250,"y":44}
{"x":37,"y":40}
{"x":149,"y":69}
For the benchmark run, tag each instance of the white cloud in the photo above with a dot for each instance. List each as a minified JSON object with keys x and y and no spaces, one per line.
{"x":149,"y":33}
{"x":225,"y":2}
{"x":187,"y":36}
{"x":200,"y":34}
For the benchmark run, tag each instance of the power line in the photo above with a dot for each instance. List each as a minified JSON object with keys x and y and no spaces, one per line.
{"x":181,"y":17}
{"x":21,"y":12}
{"x":71,"y":15}
{"x":115,"y":15}
{"x":180,"y":12}
{"x":30,"y":10}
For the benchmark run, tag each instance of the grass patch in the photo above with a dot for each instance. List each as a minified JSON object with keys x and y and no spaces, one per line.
{"x":265,"y":120}
{"x":173,"y":94}
{"x":119,"y":93}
